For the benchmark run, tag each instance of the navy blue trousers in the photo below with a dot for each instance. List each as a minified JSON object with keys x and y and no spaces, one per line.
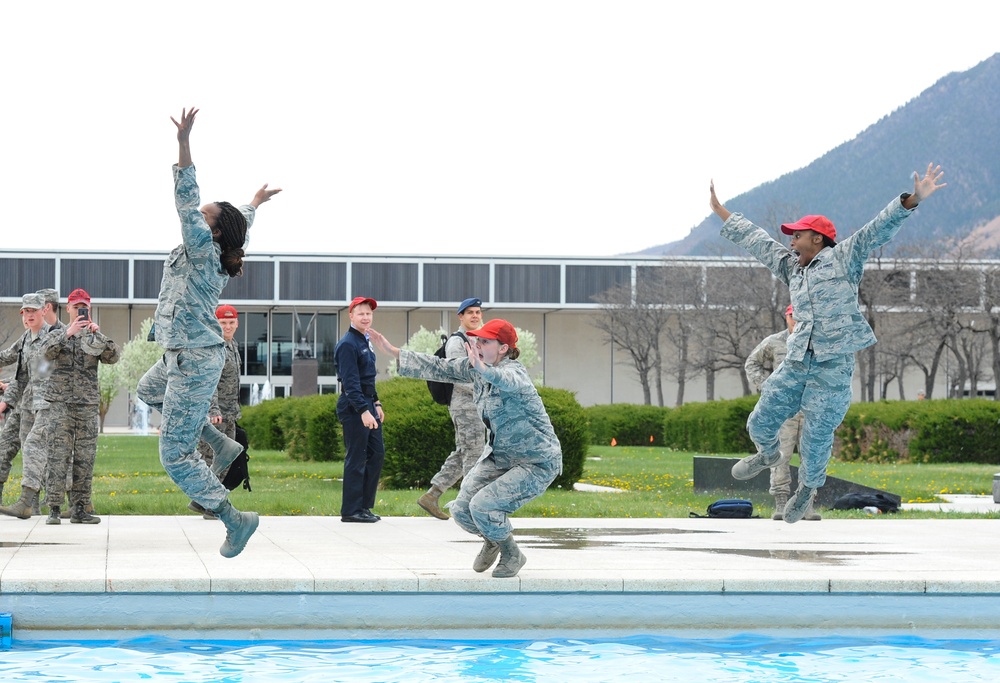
{"x":363,"y":464}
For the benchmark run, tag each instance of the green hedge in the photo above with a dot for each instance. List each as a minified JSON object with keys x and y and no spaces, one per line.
{"x":419,"y":434}
{"x":627,"y":424}
{"x":939,"y":431}
{"x":570,"y":424}
{"x":711,"y":427}
{"x":305,"y":427}
{"x":264,"y":425}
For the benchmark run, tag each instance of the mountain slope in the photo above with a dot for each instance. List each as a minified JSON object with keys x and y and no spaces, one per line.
{"x":952,"y":123}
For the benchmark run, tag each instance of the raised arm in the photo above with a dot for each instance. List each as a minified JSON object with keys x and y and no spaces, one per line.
{"x":714,"y":202}
{"x":263,"y":195}
{"x":381,"y":343}
{"x":184,"y":136}
{"x":924,"y":187}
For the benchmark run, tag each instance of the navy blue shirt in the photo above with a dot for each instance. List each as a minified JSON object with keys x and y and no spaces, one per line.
{"x":356,"y":370}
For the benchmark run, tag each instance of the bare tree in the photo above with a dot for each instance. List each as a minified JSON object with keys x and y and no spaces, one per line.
{"x":742,"y":308}
{"x":634,"y":323}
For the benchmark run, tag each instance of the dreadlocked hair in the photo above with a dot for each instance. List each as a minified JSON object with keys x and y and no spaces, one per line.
{"x":232,"y":227}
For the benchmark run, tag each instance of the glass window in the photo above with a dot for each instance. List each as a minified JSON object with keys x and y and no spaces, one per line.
{"x":254,"y":349}
{"x":326,"y":342}
{"x":282,"y":345}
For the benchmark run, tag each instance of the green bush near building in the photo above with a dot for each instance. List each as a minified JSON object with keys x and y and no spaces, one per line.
{"x":937,"y":431}
{"x":710,"y":427}
{"x":628,"y":424}
{"x":305,"y":427}
{"x":418,"y":433}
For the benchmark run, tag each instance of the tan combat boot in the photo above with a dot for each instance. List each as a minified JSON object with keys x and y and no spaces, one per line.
{"x":22,"y":508}
{"x":429,"y":502}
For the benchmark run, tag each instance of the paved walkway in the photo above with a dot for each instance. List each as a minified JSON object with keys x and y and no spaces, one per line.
{"x":412,"y":576}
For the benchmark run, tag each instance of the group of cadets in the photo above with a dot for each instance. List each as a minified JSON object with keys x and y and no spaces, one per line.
{"x":51,"y":406}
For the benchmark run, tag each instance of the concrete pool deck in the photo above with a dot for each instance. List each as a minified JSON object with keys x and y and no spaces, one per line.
{"x":316,"y":577}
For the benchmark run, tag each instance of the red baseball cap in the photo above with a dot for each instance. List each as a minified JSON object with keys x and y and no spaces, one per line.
{"x":820,"y":224}
{"x":226,"y":312}
{"x":498,"y":329}
{"x":78,"y":296}
{"x":362,"y":300}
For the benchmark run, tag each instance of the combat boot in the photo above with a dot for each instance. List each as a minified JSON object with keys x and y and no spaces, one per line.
{"x":81,"y":516}
{"x":54,"y":517}
{"x":240,"y":526}
{"x":511,"y":559}
{"x":811,"y":514}
{"x":799,"y":504}
{"x":429,"y":502}
{"x":780,"y":501}
{"x":226,"y":450}
{"x":22,"y":508}
{"x":487,"y":556}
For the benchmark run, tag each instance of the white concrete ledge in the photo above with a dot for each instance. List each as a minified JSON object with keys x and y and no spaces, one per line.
{"x":412,"y":577}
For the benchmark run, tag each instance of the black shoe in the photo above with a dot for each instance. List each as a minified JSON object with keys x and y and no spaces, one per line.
{"x":369,"y":513}
{"x":360,"y":518}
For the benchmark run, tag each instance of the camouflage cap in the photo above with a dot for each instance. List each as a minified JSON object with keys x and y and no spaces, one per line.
{"x":49,"y":296}
{"x":33,"y":301}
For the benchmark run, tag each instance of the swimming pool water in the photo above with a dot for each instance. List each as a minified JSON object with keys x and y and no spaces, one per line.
{"x":746,"y":659}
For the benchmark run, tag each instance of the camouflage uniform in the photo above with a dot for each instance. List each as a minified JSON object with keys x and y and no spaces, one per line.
{"x":73,"y":395}
{"x":470,"y":432}
{"x":522,"y":455}
{"x":225,"y":401}
{"x":761,"y":362}
{"x":10,"y":436}
{"x":182,"y":383}
{"x":817,"y":373}
{"x":33,"y":441}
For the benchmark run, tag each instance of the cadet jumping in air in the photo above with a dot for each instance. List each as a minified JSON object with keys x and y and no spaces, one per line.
{"x":181,"y":384}
{"x":823,"y":278}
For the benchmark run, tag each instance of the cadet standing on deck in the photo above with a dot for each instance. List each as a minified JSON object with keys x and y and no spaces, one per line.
{"x":470,"y":432}
{"x":73,"y":395}
{"x":760,"y":364}
{"x":26,"y":353}
{"x":225,"y":409}
{"x":823,"y":278}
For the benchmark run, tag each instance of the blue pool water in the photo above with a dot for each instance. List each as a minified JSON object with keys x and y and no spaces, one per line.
{"x":745,"y":659}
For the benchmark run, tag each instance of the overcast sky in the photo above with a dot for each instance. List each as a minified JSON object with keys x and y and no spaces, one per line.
{"x":557,"y":128}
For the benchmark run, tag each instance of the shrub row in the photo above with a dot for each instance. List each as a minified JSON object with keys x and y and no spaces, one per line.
{"x":418,"y":432}
{"x":938,"y":431}
{"x":626,"y":424}
{"x":306,"y":427}
{"x":711,"y":427}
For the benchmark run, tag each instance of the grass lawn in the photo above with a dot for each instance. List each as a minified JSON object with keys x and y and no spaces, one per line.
{"x":656,"y":483}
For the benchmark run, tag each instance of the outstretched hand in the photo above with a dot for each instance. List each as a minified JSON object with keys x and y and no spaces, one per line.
{"x":186,"y":124}
{"x":714,"y":202}
{"x":928,"y":185}
{"x":383,"y":345}
{"x":263,"y":195}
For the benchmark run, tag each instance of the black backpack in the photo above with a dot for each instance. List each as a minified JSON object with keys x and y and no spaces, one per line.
{"x":239,"y":471}
{"x":858,"y":501}
{"x":729,"y":508}
{"x":441,"y":391}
